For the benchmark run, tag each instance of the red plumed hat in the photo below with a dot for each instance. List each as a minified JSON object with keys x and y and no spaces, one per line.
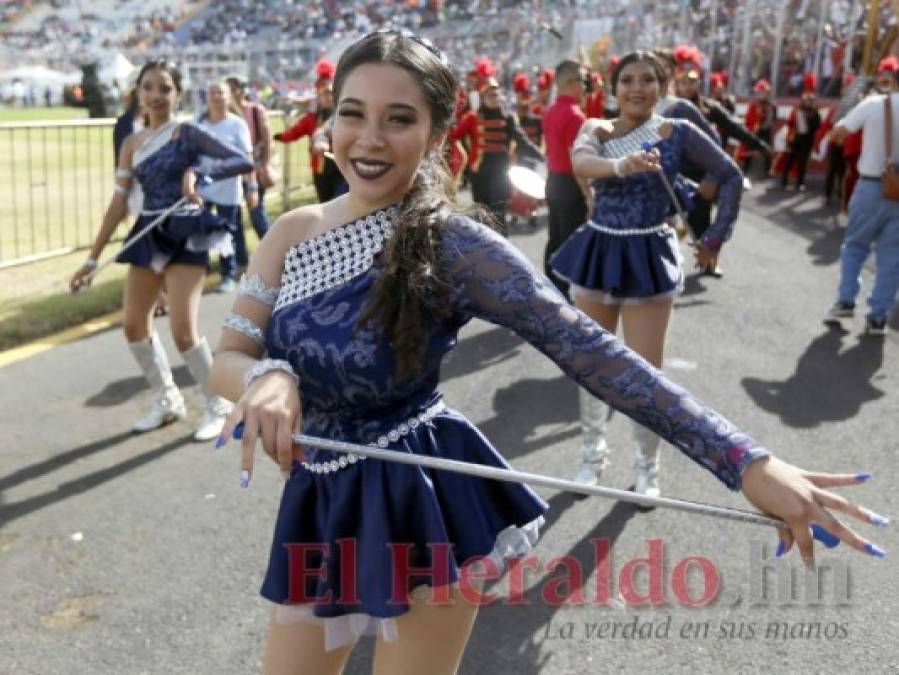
{"x":521,"y":83}
{"x":762,"y":86}
{"x":890,"y":64}
{"x":325,"y":71}
{"x":687,"y":54}
{"x":546,"y":79}
{"x":809,"y":83}
{"x":484,"y":68}
{"x":522,"y":86}
{"x":716,"y":80}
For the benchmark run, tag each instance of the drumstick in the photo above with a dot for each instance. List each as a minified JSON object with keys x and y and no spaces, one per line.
{"x":513,"y":476}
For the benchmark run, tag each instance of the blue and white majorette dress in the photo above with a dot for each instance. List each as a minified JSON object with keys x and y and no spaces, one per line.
{"x":158,"y":166}
{"x":349,"y":392}
{"x":627,"y":252}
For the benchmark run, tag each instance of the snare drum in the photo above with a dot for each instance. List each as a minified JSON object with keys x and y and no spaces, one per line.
{"x":528,"y":191}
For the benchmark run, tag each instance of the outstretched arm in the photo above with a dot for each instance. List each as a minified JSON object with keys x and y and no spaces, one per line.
{"x":492,"y":280}
{"x":496,"y":283}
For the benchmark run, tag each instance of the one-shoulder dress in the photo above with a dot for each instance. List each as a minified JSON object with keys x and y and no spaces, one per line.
{"x":351,"y":516}
{"x":627,"y":252}
{"x":158,"y":167}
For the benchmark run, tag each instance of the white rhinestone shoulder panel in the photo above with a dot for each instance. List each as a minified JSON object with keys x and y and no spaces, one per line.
{"x":392,"y":436}
{"x":333,"y":258}
{"x":633,"y":142}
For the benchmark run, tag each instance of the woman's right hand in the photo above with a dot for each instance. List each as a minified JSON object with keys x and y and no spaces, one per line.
{"x":82,"y":278}
{"x":269,"y":410}
{"x":640,"y":162}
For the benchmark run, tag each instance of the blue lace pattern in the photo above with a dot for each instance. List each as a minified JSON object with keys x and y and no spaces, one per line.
{"x":495,"y":282}
{"x":160,"y":174}
{"x":640,"y":200}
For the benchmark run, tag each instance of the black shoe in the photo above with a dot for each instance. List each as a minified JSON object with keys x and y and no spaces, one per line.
{"x":876,"y":325}
{"x":712,"y":271}
{"x":840,"y":310}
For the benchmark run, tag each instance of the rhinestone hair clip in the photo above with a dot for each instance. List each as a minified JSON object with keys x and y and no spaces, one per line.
{"x":408,"y":34}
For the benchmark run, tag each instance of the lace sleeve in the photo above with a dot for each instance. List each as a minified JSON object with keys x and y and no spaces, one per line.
{"x":702,"y":152}
{"x":492,"y":280}
{"x":219,"y":160}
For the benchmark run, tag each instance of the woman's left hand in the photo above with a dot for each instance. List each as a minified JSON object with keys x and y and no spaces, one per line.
{"x":799,"y":498}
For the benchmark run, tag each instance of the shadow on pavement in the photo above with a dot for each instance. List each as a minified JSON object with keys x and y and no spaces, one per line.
{"x":542,"y":402}
{"x":829,"y":385}
{"x":512,"y":635}
{"x":120,"y":391}
{"x":10,"y":512}
{"x":58,"y":461}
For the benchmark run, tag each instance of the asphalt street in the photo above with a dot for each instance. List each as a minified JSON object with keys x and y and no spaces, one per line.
{"x":127,"y":554}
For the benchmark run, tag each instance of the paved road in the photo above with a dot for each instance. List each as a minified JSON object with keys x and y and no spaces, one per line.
{"x":139,"y":554}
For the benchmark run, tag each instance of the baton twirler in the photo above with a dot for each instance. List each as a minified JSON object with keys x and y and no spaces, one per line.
{"x":513,"y":476}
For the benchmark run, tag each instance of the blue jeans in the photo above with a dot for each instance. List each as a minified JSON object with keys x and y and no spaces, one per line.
{"x":259,"y":220}
{"x":873,"y":220}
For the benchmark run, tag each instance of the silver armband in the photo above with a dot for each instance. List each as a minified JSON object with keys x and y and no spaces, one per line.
{"x":243,"y":325}
{"x":121,"y":189}
{"x":254,"y":287}
{"x":122,"y":173}
{"x":266,"y":366}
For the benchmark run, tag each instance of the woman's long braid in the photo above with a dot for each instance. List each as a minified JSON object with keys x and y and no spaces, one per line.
{"x":410,"y":286}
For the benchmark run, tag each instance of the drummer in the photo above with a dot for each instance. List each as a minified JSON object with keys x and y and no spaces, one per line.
{"x":566,"y":197}
{"x":490,"y":132}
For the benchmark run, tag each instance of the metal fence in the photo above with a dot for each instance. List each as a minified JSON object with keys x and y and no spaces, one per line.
{"x":57,"y":182}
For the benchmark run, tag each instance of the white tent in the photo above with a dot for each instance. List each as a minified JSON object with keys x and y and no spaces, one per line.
{"x":118,"y":68}
{"x":40,"y":76}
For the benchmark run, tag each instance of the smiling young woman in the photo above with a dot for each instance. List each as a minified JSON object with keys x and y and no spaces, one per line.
{"x":340,"y":330}
{"x":157,"y":165}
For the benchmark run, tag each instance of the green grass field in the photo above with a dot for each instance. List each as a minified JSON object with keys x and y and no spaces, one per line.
{"x":52,"y":195}
{"x":41,"y":114}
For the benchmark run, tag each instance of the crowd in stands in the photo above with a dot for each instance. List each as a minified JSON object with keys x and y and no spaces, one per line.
{"x":504,"y":29}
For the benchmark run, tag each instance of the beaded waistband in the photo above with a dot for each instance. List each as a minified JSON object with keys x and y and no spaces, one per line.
{"x":625,"y":232}
{"x":392,"y":436}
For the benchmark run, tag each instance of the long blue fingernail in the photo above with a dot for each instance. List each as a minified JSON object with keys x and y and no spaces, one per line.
{"x":781,"y":549}
{"x":220,"y":441}
{"x":237,"y":434}
{"x":863,"y":476}
{"x":244,"y":479}
{"x":880,"y":521}
{"x":646,"y":146}
{"x":827,"y":538}
{"x":875,"y":550}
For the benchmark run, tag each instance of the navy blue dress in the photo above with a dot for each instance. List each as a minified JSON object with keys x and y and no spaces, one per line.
{"x":627,"y":251}
{"x":159,"y":176}
{"x":349,"y":392}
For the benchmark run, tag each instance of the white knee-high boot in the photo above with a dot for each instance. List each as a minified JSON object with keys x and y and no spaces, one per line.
{"x":647,"y":461}
{"x":199,"y":362}
{"x":168,"y":404}
{"x":594,"y":451}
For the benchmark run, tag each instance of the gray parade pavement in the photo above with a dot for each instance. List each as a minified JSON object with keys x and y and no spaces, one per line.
{"x":126,"y":554}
